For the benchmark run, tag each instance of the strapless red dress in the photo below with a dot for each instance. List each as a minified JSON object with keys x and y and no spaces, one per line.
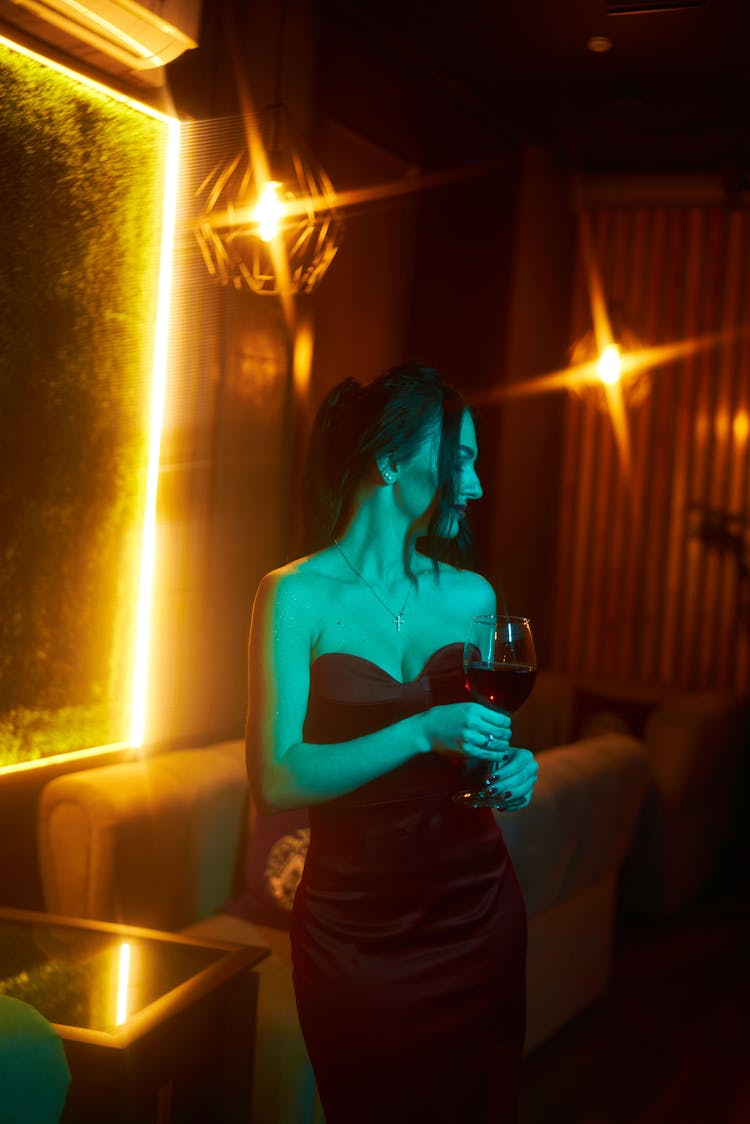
{"x":408,"y":930}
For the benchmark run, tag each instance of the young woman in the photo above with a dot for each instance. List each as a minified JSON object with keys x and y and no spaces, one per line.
{"x":408,"y":932}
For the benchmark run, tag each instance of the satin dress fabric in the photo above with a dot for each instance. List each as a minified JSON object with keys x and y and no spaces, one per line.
{"x":408,"y":928}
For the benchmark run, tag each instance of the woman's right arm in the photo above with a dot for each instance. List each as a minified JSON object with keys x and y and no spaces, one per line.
{"x":287,"y":772}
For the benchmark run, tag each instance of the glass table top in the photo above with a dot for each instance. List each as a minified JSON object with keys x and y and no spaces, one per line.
{"x":93,"y":978}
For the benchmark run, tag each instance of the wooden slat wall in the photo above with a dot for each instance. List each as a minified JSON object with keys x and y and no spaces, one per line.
{"x":637,"y":597}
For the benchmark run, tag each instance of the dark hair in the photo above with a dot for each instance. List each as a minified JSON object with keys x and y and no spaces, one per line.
{"x":391,"y":416}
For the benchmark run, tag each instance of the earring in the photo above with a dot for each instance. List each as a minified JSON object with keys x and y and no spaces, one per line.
{"x":385,"y":470}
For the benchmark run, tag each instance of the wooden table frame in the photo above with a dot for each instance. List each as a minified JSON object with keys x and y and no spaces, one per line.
{"x":186,"y":1057}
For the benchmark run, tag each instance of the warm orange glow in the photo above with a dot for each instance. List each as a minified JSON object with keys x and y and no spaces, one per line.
{"x":741,"y":426}
{"x":163,"y":41}
{"x":610,"y":367}
{"x":619,"y":418}
{"x":148,"y":542}
{"x":71,"y":755}
{"x":599,"y":44}
{"x":86,"y":14}
{"x":302,"y":360}
{"x":597,"y":301}
{"x":286,"y":289}
{"x":660,"y":355}
{"x":268,"y":211}
{"x":123,"y":980}
{"x":261,"y":174}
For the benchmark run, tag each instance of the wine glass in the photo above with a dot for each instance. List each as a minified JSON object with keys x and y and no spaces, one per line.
{"x":499,"y":670}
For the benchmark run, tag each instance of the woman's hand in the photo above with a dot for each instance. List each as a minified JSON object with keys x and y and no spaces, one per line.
{"x":511,"y":784}
{"x":468,"y":729}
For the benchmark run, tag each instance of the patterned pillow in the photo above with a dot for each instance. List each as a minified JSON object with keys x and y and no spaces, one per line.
{"x":277,"y":846}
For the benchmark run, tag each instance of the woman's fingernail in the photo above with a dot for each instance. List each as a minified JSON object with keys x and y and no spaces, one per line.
{"x":507,"y":795}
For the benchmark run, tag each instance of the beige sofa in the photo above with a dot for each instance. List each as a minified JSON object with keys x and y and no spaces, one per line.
{"x":158,"y":841}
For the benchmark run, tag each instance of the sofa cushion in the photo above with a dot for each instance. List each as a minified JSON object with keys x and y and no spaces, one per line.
{"x":569,"y":958}
{"x":596,"y":712}
{"x":152,"y":841}
{"x":275,"y":855}
{"x":580,"y":820}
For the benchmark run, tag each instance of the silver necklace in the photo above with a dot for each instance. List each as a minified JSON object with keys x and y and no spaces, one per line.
{"x":398,"y":618}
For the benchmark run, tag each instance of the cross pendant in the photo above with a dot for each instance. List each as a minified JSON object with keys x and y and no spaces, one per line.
{"x":397,"y":621}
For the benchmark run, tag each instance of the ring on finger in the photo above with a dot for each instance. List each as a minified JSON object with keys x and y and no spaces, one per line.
{"x":488,"y":741}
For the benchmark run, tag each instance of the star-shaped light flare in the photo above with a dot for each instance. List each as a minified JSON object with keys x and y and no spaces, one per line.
{"x":612,"y":370}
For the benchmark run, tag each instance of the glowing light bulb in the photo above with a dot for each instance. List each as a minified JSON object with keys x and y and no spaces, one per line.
{"x":610,"y":368}
{"x":268,"y":211}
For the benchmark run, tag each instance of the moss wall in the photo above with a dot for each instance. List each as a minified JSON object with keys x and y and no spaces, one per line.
{"x":81,"y":179}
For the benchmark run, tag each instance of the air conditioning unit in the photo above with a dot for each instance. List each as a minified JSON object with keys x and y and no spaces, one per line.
{"x":138,"y":36}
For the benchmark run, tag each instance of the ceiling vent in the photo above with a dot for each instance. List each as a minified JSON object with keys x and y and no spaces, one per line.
{"x":645,"y":7}
{"x":138,"y":36}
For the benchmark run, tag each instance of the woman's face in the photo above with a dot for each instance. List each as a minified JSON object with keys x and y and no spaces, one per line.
{"x":418,"y":481}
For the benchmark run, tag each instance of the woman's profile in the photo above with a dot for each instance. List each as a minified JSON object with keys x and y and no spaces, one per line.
{"x":408,"y":929}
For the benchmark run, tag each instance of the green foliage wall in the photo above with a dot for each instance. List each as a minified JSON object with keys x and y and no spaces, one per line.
{"x":81,"y":193}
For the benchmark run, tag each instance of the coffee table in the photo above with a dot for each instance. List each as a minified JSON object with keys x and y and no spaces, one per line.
{"x":157,"y":1028}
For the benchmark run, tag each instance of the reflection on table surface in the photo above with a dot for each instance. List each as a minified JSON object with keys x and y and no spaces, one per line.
{"x":95,"y":980}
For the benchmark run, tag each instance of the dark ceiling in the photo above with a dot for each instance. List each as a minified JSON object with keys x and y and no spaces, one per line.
{"x":672,"y":92}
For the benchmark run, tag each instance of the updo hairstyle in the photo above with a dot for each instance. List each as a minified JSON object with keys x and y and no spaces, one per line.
{"x":389,"y":417}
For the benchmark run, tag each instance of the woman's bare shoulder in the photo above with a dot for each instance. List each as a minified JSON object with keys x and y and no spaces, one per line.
{"x":298,"y":585}
{"x":306,"y":570}
{"x":469,"y":587}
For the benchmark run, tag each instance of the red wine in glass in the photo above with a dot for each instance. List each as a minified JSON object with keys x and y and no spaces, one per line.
{"x":500,"y":670}
{"x":504,"y":686}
